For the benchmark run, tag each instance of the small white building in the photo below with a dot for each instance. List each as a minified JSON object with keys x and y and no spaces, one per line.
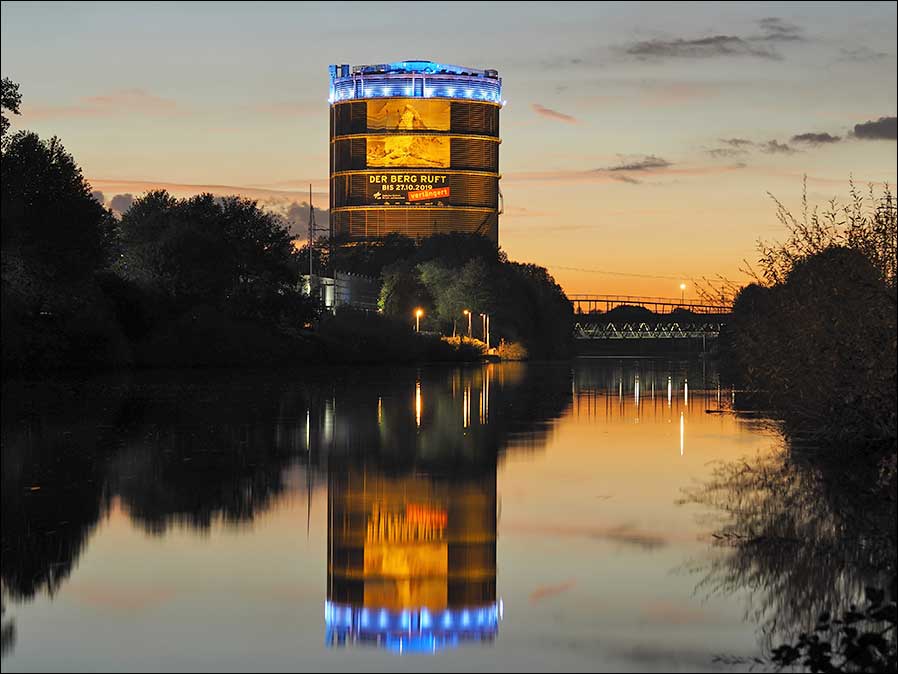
{"x":344,"y":289}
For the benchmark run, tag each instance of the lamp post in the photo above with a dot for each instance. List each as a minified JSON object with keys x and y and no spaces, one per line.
{"x":467,"y":313}
{"x":418,"y":313}
{"x":682,"y":293}
{"x":485,"y":318}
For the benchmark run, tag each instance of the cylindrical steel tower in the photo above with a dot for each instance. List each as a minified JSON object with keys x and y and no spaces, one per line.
{"x":414,"y":150}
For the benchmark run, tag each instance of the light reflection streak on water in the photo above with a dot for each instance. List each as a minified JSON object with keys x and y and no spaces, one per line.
{"x":682,"y":427}
{"x":418,"y":403}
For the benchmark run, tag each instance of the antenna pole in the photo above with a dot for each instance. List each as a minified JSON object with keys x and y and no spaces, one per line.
{"x":311,"y":236}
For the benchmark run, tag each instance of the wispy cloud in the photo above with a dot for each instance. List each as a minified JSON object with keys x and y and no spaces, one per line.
{"x":774,"y":29}
{"x":726,"y":152}
{"x":737,"y":142}
{"x":699,"y":48}
{"x":815,"y":138}
{"x":646,"y":163}
{"x":776,"y":147}
{"x":759,"y":45}
{"x":619,"y":174}
{"x":554,"y":114}
{"x":884,"y":128}
{"x":130,"y":101}
{"x":862,"y":54}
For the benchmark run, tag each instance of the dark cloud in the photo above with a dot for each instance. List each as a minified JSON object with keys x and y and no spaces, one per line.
{"x":647,"y":163}
{"x":737,"y":142}
{"x":861,"y":54}
{"x":773,"y":30}
{"x":97,"y":195}
{"x":705,"y":47}
{"x":884,"y":128}
{"x":815,"y":138}
{"x":775,"y":147}
{"x":554,"y":114}
{"x":297,"y":217}
{"x":776,"y":30}
{"x":726,"y":152}
{"x":121,"y":202}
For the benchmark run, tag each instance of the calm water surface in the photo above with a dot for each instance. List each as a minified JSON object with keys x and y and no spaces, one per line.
{"x":503,"y":516}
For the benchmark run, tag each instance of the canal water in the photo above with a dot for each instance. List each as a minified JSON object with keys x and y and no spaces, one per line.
{"x":510,"y":516}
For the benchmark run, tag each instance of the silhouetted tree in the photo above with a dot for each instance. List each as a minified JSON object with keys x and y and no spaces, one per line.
{"x":10,"y":99}
{"x":226,"y":253}
{"x":48,"y":214}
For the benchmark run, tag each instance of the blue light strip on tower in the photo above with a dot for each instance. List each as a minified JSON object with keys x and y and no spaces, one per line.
{"x":423,"y":79}
{"x":418,"y":630}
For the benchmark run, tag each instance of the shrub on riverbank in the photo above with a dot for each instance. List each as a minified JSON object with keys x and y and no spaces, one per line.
{"x":817,"y":333}
{"x":355,"y":336}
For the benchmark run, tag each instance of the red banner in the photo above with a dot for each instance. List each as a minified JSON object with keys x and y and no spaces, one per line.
{"x":425,"y":195}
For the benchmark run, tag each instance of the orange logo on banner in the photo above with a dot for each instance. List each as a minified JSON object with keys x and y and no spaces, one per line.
{"x":424,"y":195}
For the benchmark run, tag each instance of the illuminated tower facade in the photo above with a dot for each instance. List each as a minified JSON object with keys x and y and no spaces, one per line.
{"x":414,"y":150}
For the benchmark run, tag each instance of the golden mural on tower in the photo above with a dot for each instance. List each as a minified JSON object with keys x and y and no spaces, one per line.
{"x":408,"y":151}
{"x":408,"y":115}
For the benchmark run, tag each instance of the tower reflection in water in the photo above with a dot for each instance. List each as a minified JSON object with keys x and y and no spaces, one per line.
{"x":411,"y":559}
{"x":411,"y":466}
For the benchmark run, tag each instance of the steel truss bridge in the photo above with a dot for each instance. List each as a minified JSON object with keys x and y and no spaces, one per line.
{"x":585,"y":304}
{"x":656,"y":331}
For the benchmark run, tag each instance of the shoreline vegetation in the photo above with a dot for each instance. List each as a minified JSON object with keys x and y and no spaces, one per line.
{"x":213,"y":281}
{"x":810,"y":532}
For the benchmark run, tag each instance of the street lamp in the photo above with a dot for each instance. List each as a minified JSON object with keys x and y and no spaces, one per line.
{"x":467,"y":313}
{"x":418,"y":313}
{"x":486,"y":329}
{"x":682,"y":293}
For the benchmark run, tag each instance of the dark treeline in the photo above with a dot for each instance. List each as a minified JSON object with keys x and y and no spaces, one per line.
{"x":815,"y":336}
{"x":210,"y":281}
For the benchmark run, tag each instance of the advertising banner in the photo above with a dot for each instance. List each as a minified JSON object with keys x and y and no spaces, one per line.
{"x":406,"y":188}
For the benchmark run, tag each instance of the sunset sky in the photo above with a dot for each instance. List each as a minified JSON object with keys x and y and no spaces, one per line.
{"x":639,"y":140}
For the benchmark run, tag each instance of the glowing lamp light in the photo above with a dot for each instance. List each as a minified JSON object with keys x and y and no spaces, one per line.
{"x":470,"y":93}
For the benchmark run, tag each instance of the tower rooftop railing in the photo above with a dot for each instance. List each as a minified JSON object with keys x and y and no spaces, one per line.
{"x":416,"y":79}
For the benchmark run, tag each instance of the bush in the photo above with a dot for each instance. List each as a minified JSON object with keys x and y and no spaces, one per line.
{"x":817,"y":333}
{"x":511,"y":351}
